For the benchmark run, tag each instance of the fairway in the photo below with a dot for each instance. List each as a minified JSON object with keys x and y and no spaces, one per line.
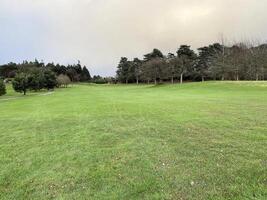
{"x":191,"y":141}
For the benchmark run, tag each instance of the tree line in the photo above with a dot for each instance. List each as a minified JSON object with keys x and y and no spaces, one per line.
{"x":75,"y":72}
{"x":217,"y":61}
{"x":37,"y":75}
{"x":241,"y":61}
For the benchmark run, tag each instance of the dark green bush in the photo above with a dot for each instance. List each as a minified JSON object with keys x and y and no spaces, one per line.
{"x":2,"y":88}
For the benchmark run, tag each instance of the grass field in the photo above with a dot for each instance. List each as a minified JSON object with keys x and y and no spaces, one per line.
{"x":195,"y":141}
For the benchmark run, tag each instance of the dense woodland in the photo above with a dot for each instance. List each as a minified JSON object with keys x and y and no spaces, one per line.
{"x":214,"y":62}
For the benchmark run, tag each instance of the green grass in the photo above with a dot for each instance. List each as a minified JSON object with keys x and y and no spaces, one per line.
{"x":195,"y":141}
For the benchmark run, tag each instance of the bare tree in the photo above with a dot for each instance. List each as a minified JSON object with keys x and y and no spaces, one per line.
{"x":63,"y":80}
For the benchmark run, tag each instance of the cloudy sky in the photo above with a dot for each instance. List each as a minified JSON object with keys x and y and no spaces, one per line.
{"x":99,"y":32}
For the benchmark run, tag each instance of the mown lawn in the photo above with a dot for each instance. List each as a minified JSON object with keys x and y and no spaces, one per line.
{"x":195,"y":141}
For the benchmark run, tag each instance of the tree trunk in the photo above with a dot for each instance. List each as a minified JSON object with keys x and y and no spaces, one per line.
{"x":155,"y":81}
{"x":126,"y":81}
{"x":237,"y":77}
{"x":203,"y":79}
{"x":222,"y":77}
{"x":24,"y":92}
{"x":257,"y":76}
{"x":137,"y":81}
{"x":172,"y":80}
{"x":181,"y":78}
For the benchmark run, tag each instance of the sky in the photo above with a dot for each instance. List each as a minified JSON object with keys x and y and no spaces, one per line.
{"x":99,"y":32}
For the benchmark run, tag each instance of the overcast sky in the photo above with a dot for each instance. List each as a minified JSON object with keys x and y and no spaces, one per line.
{"x":99,"y":32}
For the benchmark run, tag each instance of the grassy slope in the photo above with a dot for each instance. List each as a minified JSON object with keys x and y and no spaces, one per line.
{"x":196,"y":141}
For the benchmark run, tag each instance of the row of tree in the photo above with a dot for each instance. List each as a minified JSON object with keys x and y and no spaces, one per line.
{"x":36,"y":76}
{"x":213,"y":62}
{"x":75,"y":72}
{"x":34,"y":79}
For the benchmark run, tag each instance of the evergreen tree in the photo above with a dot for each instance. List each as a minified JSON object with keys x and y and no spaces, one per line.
{"x":172,"y":67}
{"x":50,"y":80}
{"x":154,"y":54}
{"x":123,"y":70}
{"x":72,"y":74}
{"x":187,"y":58}
{"x":220,"y":61}
{"x":21,"y":83}
{"x":2,"y":88}
{"x":204,"y":62}
{"x":36,"y":79}
{"x":136,"y":64}
{"x":153,"y":70}
{"x":85,"y":77}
